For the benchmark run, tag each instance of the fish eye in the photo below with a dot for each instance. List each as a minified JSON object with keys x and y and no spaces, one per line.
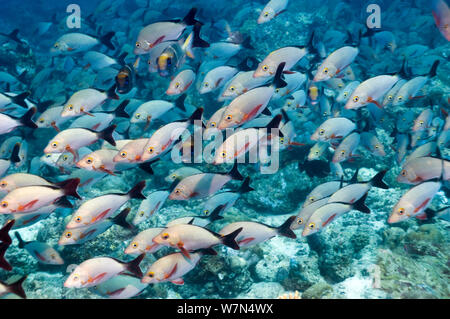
{"x":65,"y":157}
{"x":289,"y":103}
{"x":48,"y":156}
{"x":89,"y":160}
{"x":206,"y":212}
{"x":134,"y":244}
{"x":325,"y":70}
{"x":69,"y":235}
{"x":401,"y":211}
{"x":325,"y":113}
{"x":340,"y":85}
{"x":421,"y":123}
{"x":223,"y":154}
{"x":54,"y":145}
{"x":322,"y":131}
{"x":300,"y":221}
{"x":403,"y":173}
{"x":266,"y":14}
{"x":281,"y":140}
{"x":3,"y":184}
{"x":141,"y":213}
{"x":56,"y":45}
{"x":70,"y":107}
{"x":78,"y":219}
{"x":232,"y":88}
{"x":213,"y":124}
{"x":345,"y":94}
{"x":4,"y":204}
{"x":206,"y":84}
{"x":311,"y":225}
{"x":123,"y":154}
{"x":174,"y":176}
{"x":41,"y":120}
{"x":229,"y":117}
{"x":390,"y":97}
{"x":277,"y":90}
{"x":400,"y":98}
{"x":151,"y":149}
{"x":265,"y":68}
{"x":377,"y":146}
{"x":138,"y":115}
{"x":151,"y":274}
{"x":138,"y":44}
{"x":177,"y":85}
{"x":311,"y":199}
{"x":75,"y":277}
{"x":316,"y":152}
{"x":177,"y":191}
{"x":355,"y":99}
{"x":343,"y":152}
{"x":165,"y":236}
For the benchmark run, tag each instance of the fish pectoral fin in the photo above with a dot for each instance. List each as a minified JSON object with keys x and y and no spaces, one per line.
{"x":370,"y":100}
{"x":246,"y":240}
{"x":27,"y":205}
{"x":422,"y":216}
{"x":115,"y":292}
{"x":87,"y":113}
{"x":183,"y":250}
{"x":53,"y":124}
{"x":97,"y":278}
{"x":172,"y":272}
{"x":178,"y":281}
{"x":103,"y":169}
{"x":424,"y":203}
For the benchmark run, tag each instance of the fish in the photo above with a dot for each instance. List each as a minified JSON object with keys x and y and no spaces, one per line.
{"x":370,"y":91}
{"x":328,"y":212}
{"x":97,"y":270}
{"x":423,"y":121}
{"x":180,"y":173}
{"x":216,"y":78}
{"x":272,"y":9}
{"x":420,"y":169}
{"x":13,"y":288}
{"x":9,"y":123}
{"x":163,"y":139}
{"x":31,"y":198}
{"x":5,"y":164}
{"x":97,"y":60}
{"x":388,"y":99}
{"x":51,"y":118}
{"x":293,"y":81}
{"x":333,"y":128}
{"x":80,"y":235}
{"x":123,"y":286}
{"x":10,"y":99}
{"x":159,"y":32}
{"x":188,"y":238}
{"x":202,"y":185}
{"x":97,"y":209}
{"x":181,"y":82}
{"x":305,"y":212}
{"x":172,"y":268}
{"x":336,"y":63}
{"x":84,"y":101}
{"x":40,"y":251}
{"x":322,"y":191}
{"x":100,"y":160}
{"x":241,"y":83}
{"x":414,"y":202}
{"x":288,"y":55}
{"x":143,"y":243}
{"x":150,"y":206}
{"x":201,"y":221}
{"x":441,"y":15}
{"x":345,"y":150}
{"x":296,"y":100}
{"x":18,"y":180}
{"x":75,"y":42}
{"x":346,"y":92}
{"x":254,"y":233}
{"x":372,"y":144}
{"x":124,"y":80}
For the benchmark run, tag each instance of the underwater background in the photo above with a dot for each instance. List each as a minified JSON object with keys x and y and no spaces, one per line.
{"x":357,"y":256}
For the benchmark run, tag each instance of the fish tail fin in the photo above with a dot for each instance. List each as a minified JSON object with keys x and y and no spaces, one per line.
{"x":245,"y":186}
{"x":179,"y":102}
{"x":430,"y":213}
{"x":230,"y":239}
{"x":207,"y":251}
{"x":274,"y":124}
{"x":215,"y":214}
{"x":234,"y":172}
{"x":70,"y":187}
{"x":106,"y":40}
{"x":121,"y":58}
{"x":136,"y":191}
{"x":248,"y":64}
{"x":19,"y":99}
{"x":42,"y":106}
{"x":285,"y":229}
{"x":63,"y":202}
{"x":147,"y":166}
{"x":19,"y":238}
{"x":15,"y":158}
{"x":121,"y":219}
{"x":4,"y":264}
{"x":16,"y":287}
{"x":189,"y":19}
{"x":133,"y":266}
{"x":196,"y":116}
{"x":4,"y":236}
{"x":111,"y":93}
{"x":120,"y":110}
{"x":26,"y":119}
{"x":433,"y":69}
{"x":107,"y":133}
{"x":361,"y":206}
{"x":278,"y":79}
{"x":354,"y":178}
{"x":247,"y":43}
{"x":197,"y":41}
{"x":377,"y":180}
{"x":14,"y":35}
